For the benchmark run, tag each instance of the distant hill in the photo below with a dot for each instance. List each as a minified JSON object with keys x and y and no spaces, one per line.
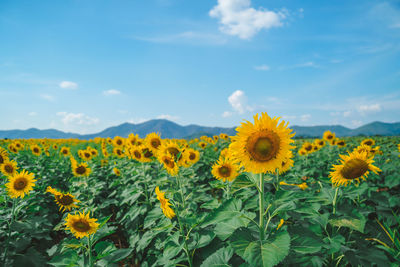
{"x":169,"y":129}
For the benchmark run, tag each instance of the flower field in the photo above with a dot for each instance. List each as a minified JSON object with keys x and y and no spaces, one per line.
{"x":259,"y":198}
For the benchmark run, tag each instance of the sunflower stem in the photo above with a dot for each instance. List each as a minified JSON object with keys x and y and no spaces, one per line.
{"x":334,"y":200}
{"x":178,"y":180}
{"x":261,"y":200}
{"x":145,"y":185}
{"x":185,"y":237}
{"x":90,"y":251}
{"x":9,"y":231}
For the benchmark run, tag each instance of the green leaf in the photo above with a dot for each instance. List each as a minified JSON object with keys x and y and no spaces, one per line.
{"x":220,"y":258}
{"x":306,"y":245}
{"x":269,"y":252}
{"x":104,"y":248}
{"x":118,"y":255}
{"x":226,"y":211}
{"x":352,"y":223}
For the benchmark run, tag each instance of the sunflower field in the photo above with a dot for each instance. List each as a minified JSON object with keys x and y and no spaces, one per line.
{"x":259,"y":198}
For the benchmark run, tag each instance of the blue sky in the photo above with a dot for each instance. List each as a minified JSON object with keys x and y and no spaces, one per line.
{"x":84,"y":65}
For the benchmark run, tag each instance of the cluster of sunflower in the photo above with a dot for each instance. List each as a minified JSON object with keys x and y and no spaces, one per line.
{"x":356,"y":165}
{"x":328,"y":138}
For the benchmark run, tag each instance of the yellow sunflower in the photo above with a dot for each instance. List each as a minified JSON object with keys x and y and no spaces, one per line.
{"x":224,"y":170}
{"x":193,"y":156}
{"x":147,"y":153}
{"x":81,"y":224}
{"x":36,"y":150}
{"x":165,"y":205}
{"x":153,"y":141}
{"x":170,"y":147}
{"x":352,"y":168}
{"x":202,"y":144}
{"x":65,"y":151}
{"x":223,"y":136}
{"x":329,"y":136}
{"x":3,"y":155}
{"x":116,"y":171}
{"x":169,"y":164}
{"x":118,"y":152}
{"x":9,"y":168}
{"x":118,"y":141}
{"x":340,"y":143}
{"x":368,"y":142}
{"x":286,"y":164}
{"x":302,"y":152}
{"x":66,"y":201}
{"x":80,"y":169}
{"x":319,"y":142}
{"x":20,"y":184}
{"x":308,"y":147}
{"x":261,"y":147}
{"x":133,"y":139}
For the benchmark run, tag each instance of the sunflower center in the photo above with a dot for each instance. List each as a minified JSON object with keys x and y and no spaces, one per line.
{"x":137,"y":154}
{"x":1,"y":159}
{"x":81,"y":226}
{"x":80,"y":170}
{"x":87,"y":155}
{"x":192,"y":156}
{"x":9,"y":168}
{"x":119,"y":152}
{"x":36,"y":150}
{"x":329,"y":137}
{"x":20,"y":183}
{"x":263,"y":146}
{"x":147,"y":153}
{"x":224,"y":171}
{"x":354,"y":168}
{"x":308,"y":147}
{"x":173,"y":151}
{"x":155,"y":143}
{"x":66,"y":200}
{"x":65,"y":152}
{"x":119,"y":142}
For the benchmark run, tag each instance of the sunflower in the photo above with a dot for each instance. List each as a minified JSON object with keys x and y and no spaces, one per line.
{"x":9,"y":168}
{"x":328,"y":136}
{"x":286,"y":164}
{"x":352,"y":168}
{"x":193,"y":156}
{"x":165,"y":205}
{"x":20,"y":184}
{"x":116,"y":171}
{"x":340,"y":143}
{"x":308,"y":147}
{"x":65,"y":151}
{"x":153,"y":141}
{"x":170,"y":147}
{"x":319,"y":142}
{"x":169,"y":164}
{"x":223,"y":136}
{"x":86,"y":155}
{"x":202,"y":144}
{"x":147,"y":154}
{"x":368,"y":142}
{"x":80,"y":169}
{"x":302,"y":152}
{"x":66,"y":201}
{"x":118,"y":141}
{"x":224,"y":170}
{"x":118,"y":152}
{"x":36,"y":150}
{"x":81,"y":224}
{"x":261,"y":147}
{"x":135,"y":153}
{"x":3,"y":155}
{"x":133,"y":139}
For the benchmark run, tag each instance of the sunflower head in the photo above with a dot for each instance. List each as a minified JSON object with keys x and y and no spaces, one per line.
{"x":169,"y":164}
{"x":9,"y":168}
{"x":153,"y":141}
{"x":225,"y":170}
{"x":261,"y":147}
{"x":36,"y":150}
{"x":116,"y":171}
{"x":193,"y":156}
{"x":329,"y":136}
{"x":118,"y":141}
{"x":340,"y":143}
{"x":3,"y":155}
{"x":368,"y":142}
{"x":20,"y":184}
{"x":353,"y":167}
{"x":81,"y":224}
{"x":65,"y":151}
{"x":80,"y":169}
{"x":165,"y":205}
{"x":308,"y":147}
{"x":118,"y":152}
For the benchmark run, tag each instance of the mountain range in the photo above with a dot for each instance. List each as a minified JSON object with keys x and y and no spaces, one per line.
{"x":169,"y":129}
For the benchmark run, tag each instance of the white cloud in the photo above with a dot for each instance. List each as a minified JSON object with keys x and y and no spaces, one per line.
{"x":68,"y":85}
{"x":305,"y":117}
{"x":289,"y":117}
{"x":238,"y":101}
{"x":262,"y":67}
{"x":238,"y":18}
{"x":47,"y":97}
{"x":346,"y":113}
{"x":33,"y":113}
{"x":369,"y":108}
{"x":168,"y":117}
{"x":226,"y":114}
{"x":77,"y":118}
{"x":308,"y":64}
{"x":136,"y":121}
{"x":111,"y":92}
{"x":356,"y":123}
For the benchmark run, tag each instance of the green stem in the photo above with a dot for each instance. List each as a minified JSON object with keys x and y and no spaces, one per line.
{"x":261,"y":211}
{"x":145,"y":185}
{"x":9,"y":231}
{"x":277,"y":179}
{"x":186,"y":248}
{"x":334,"y":200}
{"x":178,"y":180}
{"x":90,"y":251}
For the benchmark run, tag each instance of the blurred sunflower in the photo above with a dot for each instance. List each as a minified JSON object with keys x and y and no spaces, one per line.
{"x":153,"y":141}
{"x":165,"y":205}
{"x":261,"y":147}
{"x":81,"y":224}
{"x":368,"y":142}
{"x":328,"y":136}
{"x":116,"y":171}
{"x":9,"y":168}
{"x":118,"y":152}
{"x":308,"y":147}
{"x":169,"y":164}
{"x":193,"y":156}
{"x":65,"y":151}
{"x":66,"y":201}
{"x":286,"y":164}
{"x":319,"y":142}
{"x":118,"y":141}
{"x":170,"y":147}
{"x":20,"y":184}
{"x":3,"y":155}
{"x":302,"y":152}
{"x":133,"y":139}
{"x":352,"y":168}
{"x":202,"y":144}
{"x":224,"y":170}
{"x":341,"y":143}
{"x":36,"y":150}
{"x":80,"y":169}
